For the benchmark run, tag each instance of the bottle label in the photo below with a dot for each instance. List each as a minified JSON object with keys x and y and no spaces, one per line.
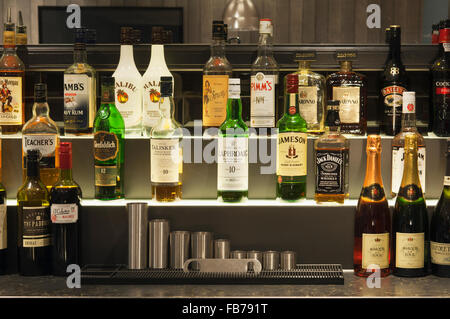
{"x":46,"y":144}
{"x":349,"y":107}
{"x":375,"y":250}
{"x":393,"y":100}
{"x":442,"y":87}
{"x":165,"y":160}
{"x":446,"y":180}
{"x":215,"y":96}
{"x":106,"y":146}
{"x":128,"y":101}
{"x":410,"y":192}
{"x":151,"y":98}
{"x":78,"y":114}
{"x":410,"y":250}
{"x":307,"y":102}
{"x":9,"y":38}
{"x":440,"y":253}
{"x":330,"y":166}
{"x":106,"y":176}
{"x":11,"y":101}
{"x":64,"y":213}
{"x":375,"y":192}
{"x":444,"y":35}
{"x":291,"y":154}
{"x":262,"y":99}
{"x":398,"y":158}
{"x":36,"y":226}
{"x":3,"y":227}
{"x":232,"y":164}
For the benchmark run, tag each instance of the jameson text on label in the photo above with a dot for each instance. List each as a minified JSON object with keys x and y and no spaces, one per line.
{"x":291,"y":154}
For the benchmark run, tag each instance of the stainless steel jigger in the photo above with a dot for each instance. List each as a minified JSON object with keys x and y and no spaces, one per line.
{"x":179,"y":248}
{"x":238,"y":254}
{"x":201,"y":246}
{"x":271,"y":260}
{"x":288,"y":260}
{"x":137,"y":235}
{"x":222,"y":248}
{"x":159,"y":243}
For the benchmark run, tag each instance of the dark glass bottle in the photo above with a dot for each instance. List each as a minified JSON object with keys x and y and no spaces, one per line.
{"x":65,"y":210}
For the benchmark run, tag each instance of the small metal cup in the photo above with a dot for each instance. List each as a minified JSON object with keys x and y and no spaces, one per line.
{"x":238,"y":254}
{"x":201,"y":246}
{"x":159,"y":243}
{"x":271,"y":260}
{"x":137,"y":235}
{"x":288,"y":260}
{"x":179,"y":248}
{"x":222,"y":248}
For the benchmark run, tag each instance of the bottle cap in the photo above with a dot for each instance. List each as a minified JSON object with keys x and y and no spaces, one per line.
{"x":40,"y":92}
{"x":65,"y":155}
{"x":410,"y":142}
{"x":373,"y":143}
{"x":333,"y":104}
{"x":409,"y":102}
{"x":219,"y":31}
{"x":107,"y":84}
{"x":333,"y":118}
{"x":265,"y":26}
{"x":32,"y":162}
{"x":80,"y":35}
{"x":166,"y":86}
{"x":126,"y":35}
{"x":234,"y":88}
{"x":33,"y":155}
{"x":292,"y":83}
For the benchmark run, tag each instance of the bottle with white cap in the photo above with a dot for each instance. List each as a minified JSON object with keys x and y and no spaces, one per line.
{"x":398,"y":144}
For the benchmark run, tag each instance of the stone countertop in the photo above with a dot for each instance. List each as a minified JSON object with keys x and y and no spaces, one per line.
{"x":430,"y":286}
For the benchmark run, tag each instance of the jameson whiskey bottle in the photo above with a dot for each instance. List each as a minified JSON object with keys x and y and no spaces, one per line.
{"x":291,"y":146}
{"x":12,"y":87}
{"x":3,"y":221}
{"x":410,"y":220}
{"x":311,"y":93}
{"x":216,"y":73}
{"x":34,"y":225}
{"x":331,"y":153}
{"x":232,"y":158}
{"x":440,"y":228}
{"x":166,"y":152}
{"x":373,"y":218}
{"x":41,"y":133}
{"x":109,"y":131}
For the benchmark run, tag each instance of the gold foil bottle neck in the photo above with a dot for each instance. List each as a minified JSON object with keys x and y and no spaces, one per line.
{"x":410,"y":142}
{"x":374,"y":143}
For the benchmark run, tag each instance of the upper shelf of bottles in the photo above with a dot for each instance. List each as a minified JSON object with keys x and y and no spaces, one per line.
{"x":192,"y":57}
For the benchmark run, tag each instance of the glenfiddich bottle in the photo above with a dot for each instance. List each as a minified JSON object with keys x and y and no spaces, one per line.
{"x":372,"y":219}
{"x":291,"y":146}
{"x":232,"y":158}
{"x":109,"y":132}
{"x":166,"y":152}
{"x":393,"y":83}
{"x":410,"y":220}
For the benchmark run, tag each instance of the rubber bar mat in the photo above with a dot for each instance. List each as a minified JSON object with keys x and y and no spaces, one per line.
{"x":303,"y":274}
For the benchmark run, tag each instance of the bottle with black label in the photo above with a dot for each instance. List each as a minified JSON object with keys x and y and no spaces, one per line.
{"x":34,"y":224}
{"x":331,"y":153}
{"x":109,"y":132}
{"x":410,"y":233}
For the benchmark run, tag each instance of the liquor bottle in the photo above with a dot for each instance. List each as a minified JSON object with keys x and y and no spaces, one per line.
{"x":331,"y":154}
{"x":441,"y":83}
{"x":21,"y":31}
{"x":264,"y":80}
{"x":232,"y":158}
{"x":128,"y":86}
{"x":440,"y":228}
{"x":291,"y":146}
{"x":12,"y":87}
{"x":80,"y":87}
{"x":435,"y":34}
{"x":152,"y":88}
{"x":373,"y":218}
{"x":166,"y":152}
{"x":65,"y":210}
{"x":216,"y":73}
{"x":109,"y":132}
{"x":34,"y":225}
{"x":350,"y":88}
{"x":41,"y":133}
{"x":394,"y":82}
{"x":410,"y":219}
{"x":3,"y":221}
{"x":398,"y":143}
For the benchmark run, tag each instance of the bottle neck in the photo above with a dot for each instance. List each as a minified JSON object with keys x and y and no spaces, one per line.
{"x":218,"y":48}
{"x":304,"y":65}
{"x":373,"y":169}
{"x":291,"y":104}
{"x":332,"y":129}
{"x":409,"y":120}
{"x":157,"y":58}
{"x":166,"y":107}
{"x":234,"y":109}
{"x":410,"y":169}
{"x":79,"y":55}
{"x":66,"y":174}
{"x":126,"y":55}
{"x":265,"y":47}
{"x":346,"y":66}
{"x":41,"y":109}
{"x":394,"y":50}
{"x":32,"y":170}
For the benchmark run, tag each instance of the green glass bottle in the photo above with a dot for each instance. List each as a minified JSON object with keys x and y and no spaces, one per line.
{"x":291,"y":146}
{"x":232,"y":168}
{"x":109,"y":131}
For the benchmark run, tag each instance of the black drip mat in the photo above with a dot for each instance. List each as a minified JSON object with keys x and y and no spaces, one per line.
{"x":303,"y":274}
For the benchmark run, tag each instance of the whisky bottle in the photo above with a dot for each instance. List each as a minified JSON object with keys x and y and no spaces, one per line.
{"x":109,"y":132}
{"x":80,"y":87}
{"x":21,"y":31}
{"x":232,"y":158}
{"x":350,"y":88}
{"x":331,"y":154}
{"x":398,"y":143}
{"x":311,"y":93}
{"x":373,"y":218}
{"x":34,"y":225}
{"x":291,"y":146}
{"x":165,"y":148}
{"x":152,"y":88}
{"x":440,"y":228}
{"x":216,"y":73}
{"x":264,"y":80}
{"x":12,"y":86}
{"x":41,"y":133}
{"x":3,"y":221}
{"x":410,"y":219}
{"x":128,"y":85}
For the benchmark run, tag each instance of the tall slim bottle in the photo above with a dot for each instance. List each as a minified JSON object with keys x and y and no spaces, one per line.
{"x":232,"y":158}
{"x":165,"y":148}
{"x":373,"y":218}
{"x":410,"y":220}
{"x":3,"y":221}
{"x":34,"y":224}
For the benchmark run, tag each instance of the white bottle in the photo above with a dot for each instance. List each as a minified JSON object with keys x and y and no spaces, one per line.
{"x":151,"y":92}
{"x":128,"y":90}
